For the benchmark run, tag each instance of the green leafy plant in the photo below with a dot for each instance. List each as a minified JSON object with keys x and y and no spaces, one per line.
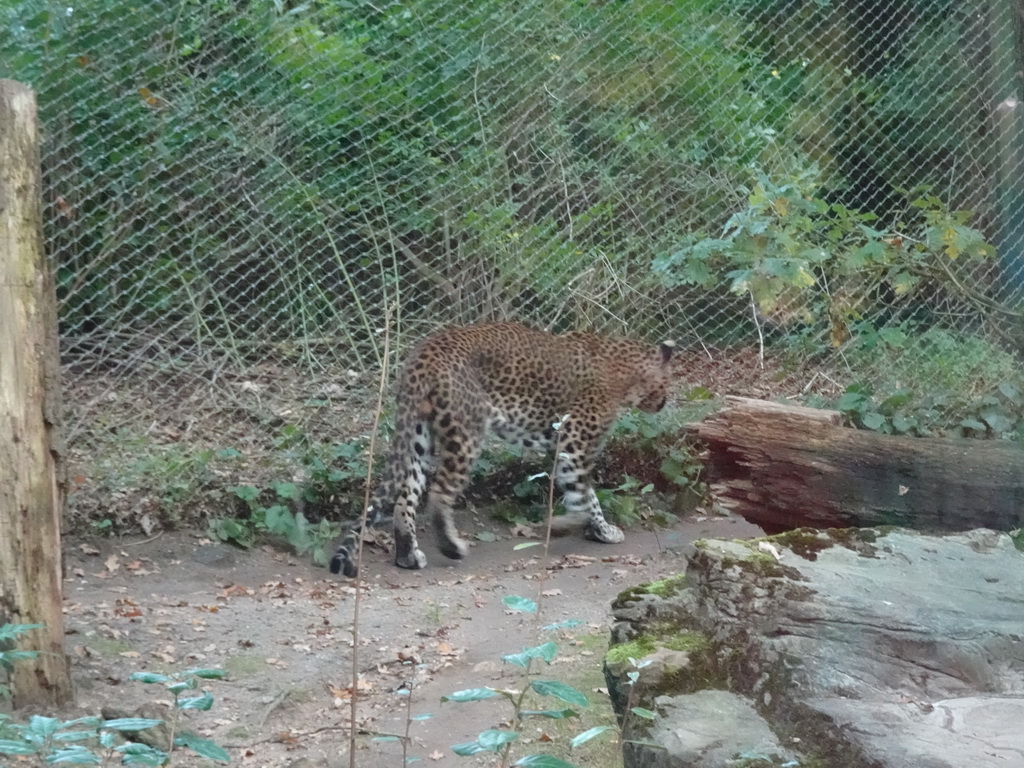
{"x":500,"y":741}
{"x":277,"y":519}
{"x":82,"y":741}
{"x":179,"y":684}
{"x":622,"y":503}
{"x":802,"y":259}
{"x":642,"y":440}
{"x":335,"y":471}
{"x":998,"y":414}
{"x":93,"y":740}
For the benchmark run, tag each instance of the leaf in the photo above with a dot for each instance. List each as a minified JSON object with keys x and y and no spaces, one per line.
{"x":493,"y":739}
{"x":471,"y":694}
{"x":560,"y":691}
{"x":77,"y":755}
{"x":207,"y":674}
{"x":130,"y":724}
{"x":526,"y":545}
{"x":288,"y":491}
{"x":180,"y":686}
{"x":996,"y":421}
{"x":543,"y":761}
{"x":203,"y":702}
{"x":150,"y":677}
{"x":644,"y":713}
{"x":519,"y":604}
{"x":202,"y":747}
{"x":589,"y":734}
{"x":873,"y":420}
{"x":567,"y":624}
{"x":43,"y":726}
{"x":14,"y":747}
{"x":1010,"y":392}
{"x":279,"y":520}
{"x":11,"y":631}
{"x":903,"y":423}
{"x":245,"y":492}
{"x":546,"y":652}
{"x":467,"y":749}
{"x":553,"y":714}
{"x":851,"y":402}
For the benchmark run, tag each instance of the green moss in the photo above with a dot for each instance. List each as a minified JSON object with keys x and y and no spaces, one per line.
{"x":808,"y":542}
{"x":645,"y":645}
{"x":1018,"y":539}
{"x":642,"y":646}
{"x":691,"y":642}
{"x":667,"y":587}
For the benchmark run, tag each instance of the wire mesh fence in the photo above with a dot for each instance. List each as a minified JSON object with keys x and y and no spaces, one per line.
{"x":243,"y":192}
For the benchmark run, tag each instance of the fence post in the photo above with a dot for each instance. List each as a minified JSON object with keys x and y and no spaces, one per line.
{"x":31,"y":478}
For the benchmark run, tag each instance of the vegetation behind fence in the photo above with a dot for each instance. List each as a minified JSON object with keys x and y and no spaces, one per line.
{"x":233,"y":185}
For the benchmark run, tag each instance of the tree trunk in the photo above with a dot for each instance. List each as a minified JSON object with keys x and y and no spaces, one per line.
{"x":784,"y":467}
{"x":31,"y":483}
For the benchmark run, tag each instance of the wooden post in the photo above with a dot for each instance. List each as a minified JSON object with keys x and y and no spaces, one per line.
{"x":31,"y":460}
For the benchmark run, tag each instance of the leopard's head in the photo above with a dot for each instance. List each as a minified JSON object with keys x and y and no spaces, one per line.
{"x":653,"y":382}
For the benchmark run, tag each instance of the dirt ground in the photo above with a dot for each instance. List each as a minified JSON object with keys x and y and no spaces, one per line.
{"x":282,"y":628}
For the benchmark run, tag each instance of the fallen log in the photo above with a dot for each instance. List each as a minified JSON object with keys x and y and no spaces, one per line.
{"x":784,"y":466}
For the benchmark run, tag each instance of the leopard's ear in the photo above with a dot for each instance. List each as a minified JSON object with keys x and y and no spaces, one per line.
{"x":667,"y":348}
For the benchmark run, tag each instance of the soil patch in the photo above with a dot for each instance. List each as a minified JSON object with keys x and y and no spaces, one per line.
{"x":282,"y":629}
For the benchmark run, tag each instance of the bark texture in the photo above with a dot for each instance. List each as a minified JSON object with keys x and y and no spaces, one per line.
{"x":784,"y":467}
{"x":31,"y":483}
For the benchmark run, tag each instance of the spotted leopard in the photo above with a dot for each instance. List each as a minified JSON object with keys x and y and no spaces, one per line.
{"x":518,"y":383}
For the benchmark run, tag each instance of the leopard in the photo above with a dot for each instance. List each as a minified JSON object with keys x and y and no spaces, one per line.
{"x":531,"y":388}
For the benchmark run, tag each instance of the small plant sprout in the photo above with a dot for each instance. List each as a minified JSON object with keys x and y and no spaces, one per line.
{"x":632,"y":676}
{"x":177,"y":685}
{"x":499,"y":741}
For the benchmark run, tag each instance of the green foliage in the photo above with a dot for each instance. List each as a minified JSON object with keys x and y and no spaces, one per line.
{"x":8,"y":657}
{"x":999,"y":414}
{"x":934,"y":382}
{"x":650,"y":437}
{"x":277,"y":510}
{"x":188,"y":150}
{"x":500,"y":741}
{"x":277,"y":520}
{"x":801,"y":259}
{"x":621,"y":505}
{"x":97,"y":741}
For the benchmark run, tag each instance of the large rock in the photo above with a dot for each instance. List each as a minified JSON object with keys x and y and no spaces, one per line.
{"x":881,"y":648}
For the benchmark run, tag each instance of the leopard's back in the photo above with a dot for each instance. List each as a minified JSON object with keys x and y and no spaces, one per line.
{"x":531,"y":376}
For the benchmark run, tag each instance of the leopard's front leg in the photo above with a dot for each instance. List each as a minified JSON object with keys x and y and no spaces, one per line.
{"x":573,"y":472}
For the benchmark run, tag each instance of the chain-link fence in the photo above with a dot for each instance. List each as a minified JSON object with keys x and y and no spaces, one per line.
{"x":240,"y":194}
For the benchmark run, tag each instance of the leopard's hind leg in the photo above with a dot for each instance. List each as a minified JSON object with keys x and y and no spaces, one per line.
{"x":395,"y":499}
{"x":457,"y":444}
{"x":411,"y":488}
